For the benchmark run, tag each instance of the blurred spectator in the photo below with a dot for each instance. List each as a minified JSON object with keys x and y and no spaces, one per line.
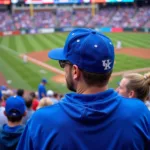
{"x":10,"y":133}
{"x":56,"y":96}
{"x":50,"y":94}
{"x":3,"y":119}
{"x":20,"y":92}
{"x":28,"y":103}
{"x":42,"y":89}
{"x":3,"y":88}
{"x":44,"y":102}
{"x":35,"y":101}
{"x":135,"y":85}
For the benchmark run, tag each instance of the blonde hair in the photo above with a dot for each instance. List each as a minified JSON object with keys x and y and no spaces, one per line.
{"x":140,"y":84}
{"x":44,"y":102}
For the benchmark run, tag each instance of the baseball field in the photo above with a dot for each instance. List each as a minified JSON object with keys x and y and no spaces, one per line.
{"x":135,"y":54}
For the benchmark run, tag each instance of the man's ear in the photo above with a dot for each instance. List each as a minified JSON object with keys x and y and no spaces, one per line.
{"x":131,"y":94}
{"x":75,"y":72}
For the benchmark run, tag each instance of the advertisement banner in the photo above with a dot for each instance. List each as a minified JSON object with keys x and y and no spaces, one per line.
{"x":23,"y":31}
{"x":1,"y":33}
{"x":67,"y":29}
{"x":66,"y":1}
{"x":104,"y":29}
{"x":49,"y":30}
{"x":39,"y":1}
{"x":32,"y":31}
{"x":17,"y":32}
{"x":7,"y":33}
{"x":117,"y":30}
{"x":5,"y":2}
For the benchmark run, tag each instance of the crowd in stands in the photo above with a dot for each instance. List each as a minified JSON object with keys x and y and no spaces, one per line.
{"x":111,"y":16}
{"x":31,"y":100}
{"x":33,"y":103}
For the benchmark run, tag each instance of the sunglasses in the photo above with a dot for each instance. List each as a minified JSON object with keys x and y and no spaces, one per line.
{"x":62,"y":63}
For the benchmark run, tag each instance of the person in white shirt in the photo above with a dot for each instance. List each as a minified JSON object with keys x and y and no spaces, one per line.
{"x":119,"y":45}
{"x":25,"y":58}
{"x":3,"y":119}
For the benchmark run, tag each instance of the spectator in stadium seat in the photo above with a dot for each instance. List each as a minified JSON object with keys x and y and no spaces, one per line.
{"x":10,"y":133}
{"x":45,"y":101}
{"x":29,"y":111}
{"x":3,"y":119}
{"x":35,"y":101}
{"x":42,"y":89}
{"x":135,"y":85}
{"x":50,"y":94}
{"x":92,"y":117}
{"x":20,"y":92}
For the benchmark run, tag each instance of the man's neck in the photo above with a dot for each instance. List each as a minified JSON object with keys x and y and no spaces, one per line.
{"x":92,"y":90}
{"x":13,"y":124}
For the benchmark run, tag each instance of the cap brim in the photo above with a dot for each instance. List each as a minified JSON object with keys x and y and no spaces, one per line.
{"x":57,"y":54}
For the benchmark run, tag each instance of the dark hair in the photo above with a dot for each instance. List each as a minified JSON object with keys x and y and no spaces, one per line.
{"x":33,"y":94}
{"x":95,"y":78}
{"x":28,"y":101}
{"x":14,"y":118}
{"x":55,"y":95}
{"x":20,"y":92}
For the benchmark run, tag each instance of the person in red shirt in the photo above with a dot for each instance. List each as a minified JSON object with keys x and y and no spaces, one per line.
{"x":35,"y":102}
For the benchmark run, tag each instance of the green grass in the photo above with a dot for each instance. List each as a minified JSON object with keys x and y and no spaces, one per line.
{"x":124,"y":62}
{"x":28,"y":76}
{"x":114,"y":82}
{"x":133,"y":40}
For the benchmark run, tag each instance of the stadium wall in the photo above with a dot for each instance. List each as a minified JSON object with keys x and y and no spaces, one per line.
{"x":68,"y":29}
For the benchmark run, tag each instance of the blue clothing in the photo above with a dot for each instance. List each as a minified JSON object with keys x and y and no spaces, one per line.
{"x":41,"y":90}
{"x":102,"y":121}
{"x":9,"y":136}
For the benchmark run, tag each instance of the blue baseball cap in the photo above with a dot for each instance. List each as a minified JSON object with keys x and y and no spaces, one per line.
{"x":3,"y":88}
{"x":15,"y":106}
{"x":89,"y":50}
{"x":44,"y":80}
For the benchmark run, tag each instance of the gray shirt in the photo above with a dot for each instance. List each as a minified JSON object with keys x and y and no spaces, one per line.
{"x":3,"y":119}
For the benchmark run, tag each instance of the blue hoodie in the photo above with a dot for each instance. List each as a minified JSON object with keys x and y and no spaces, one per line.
{"x":9,"y":136}
{"x":102,"y":121}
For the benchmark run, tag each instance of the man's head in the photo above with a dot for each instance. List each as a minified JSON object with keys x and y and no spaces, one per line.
{"x":28,"y":101}
{"x":44,"y":81}
{"x":134,"y":85}
{"x":50,"y":93}
{"x":20,"y":92}
{"x":87,"y":54}
{"x":15,"y":108}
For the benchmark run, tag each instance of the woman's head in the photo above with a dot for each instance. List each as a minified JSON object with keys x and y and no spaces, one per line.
{"x":44,"y":102}
{"x":135,"y":85}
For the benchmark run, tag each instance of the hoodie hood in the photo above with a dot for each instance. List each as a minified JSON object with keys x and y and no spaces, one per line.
{"x":9,"y":140}
{"x":91,"y":107}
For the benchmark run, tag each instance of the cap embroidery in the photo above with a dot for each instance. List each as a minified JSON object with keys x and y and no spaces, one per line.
{"x":106,"y":64}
